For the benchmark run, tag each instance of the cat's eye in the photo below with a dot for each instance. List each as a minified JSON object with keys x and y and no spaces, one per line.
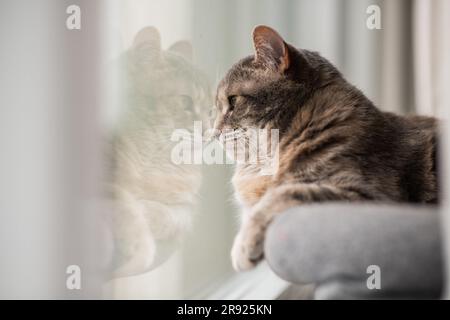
{"x":232,"y":102}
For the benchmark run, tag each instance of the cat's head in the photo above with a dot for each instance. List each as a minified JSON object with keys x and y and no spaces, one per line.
{"x":264,"y":90}
{"x":162,"y":86}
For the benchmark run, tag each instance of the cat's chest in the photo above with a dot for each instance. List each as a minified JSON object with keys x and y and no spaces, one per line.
{"x":249,"y":186}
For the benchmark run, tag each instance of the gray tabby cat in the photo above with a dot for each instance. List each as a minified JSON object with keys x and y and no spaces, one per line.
{"x":334,"y":144}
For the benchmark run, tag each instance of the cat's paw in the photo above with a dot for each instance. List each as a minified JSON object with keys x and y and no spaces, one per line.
{"x":139,"y":255}
{"x":248,"y":247}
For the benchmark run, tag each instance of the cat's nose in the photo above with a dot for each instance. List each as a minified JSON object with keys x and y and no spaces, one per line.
{"x":214,"y":134}
{"x":218,"y":126}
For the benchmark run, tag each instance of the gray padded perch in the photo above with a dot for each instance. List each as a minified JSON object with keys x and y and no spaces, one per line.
{"x":332,"y":245}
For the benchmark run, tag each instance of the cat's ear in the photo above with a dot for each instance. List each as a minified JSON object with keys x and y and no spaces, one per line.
{"x":270,"y":49}
{"x":148,"y":43}
{"x":184,"y":49}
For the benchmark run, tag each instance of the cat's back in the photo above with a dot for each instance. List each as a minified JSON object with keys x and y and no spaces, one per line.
{"x":417,"y":147}
{"x":415,"y":132}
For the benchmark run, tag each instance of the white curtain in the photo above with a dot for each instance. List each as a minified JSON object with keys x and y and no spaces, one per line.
{"x":431,"y":56}
{"x":379,"y":62}
{"x":432,"y":87}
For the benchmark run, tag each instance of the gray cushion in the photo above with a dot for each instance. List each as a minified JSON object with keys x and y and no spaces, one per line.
{"x":332,"y":245}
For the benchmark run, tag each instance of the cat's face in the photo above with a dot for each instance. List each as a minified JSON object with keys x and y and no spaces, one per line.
{"x":163,"y":86}
{"x":263,"y":90}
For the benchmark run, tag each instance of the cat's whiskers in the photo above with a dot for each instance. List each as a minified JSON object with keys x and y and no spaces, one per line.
{"x":232,"y":135}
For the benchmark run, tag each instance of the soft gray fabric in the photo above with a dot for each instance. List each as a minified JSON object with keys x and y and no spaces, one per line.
{"x":332,"y":245}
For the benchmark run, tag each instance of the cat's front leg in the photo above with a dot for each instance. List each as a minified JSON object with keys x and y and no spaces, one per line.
{"x":134,"y":241}
{"x":248,"y":247}
{"x":248,"y":244}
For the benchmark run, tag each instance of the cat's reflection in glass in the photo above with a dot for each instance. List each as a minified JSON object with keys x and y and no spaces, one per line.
{"x":153,"y":198}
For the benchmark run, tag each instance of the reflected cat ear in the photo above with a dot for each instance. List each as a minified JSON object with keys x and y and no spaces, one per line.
{"x":148,"y":42}
{"x":184,"y":49}
{"x":270,"y":49}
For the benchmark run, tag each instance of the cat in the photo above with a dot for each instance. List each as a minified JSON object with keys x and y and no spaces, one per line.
{"x":153,"y":198}
{"x":334,"y":144}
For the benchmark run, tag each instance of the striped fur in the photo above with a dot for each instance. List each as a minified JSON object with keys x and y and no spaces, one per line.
{"x":335,"y":145}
